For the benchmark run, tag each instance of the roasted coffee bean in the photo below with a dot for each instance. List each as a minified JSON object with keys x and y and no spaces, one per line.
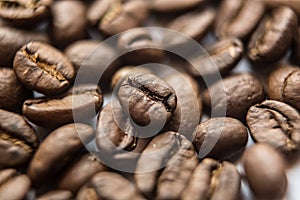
{"x":17,"y":139}
{"x":68,"y":22}
{"x":56,"y":195}
{"x":13,"y":186}
{"x":220,"y":138}
{"x":238,"y":18}
{"x":276,"y":31}
{"x":147,"y":98}
{"x":240,"y":91}
{"x":80,"y":103}
{"x":169,"y":5}
{"x":117,"y":16}
{"x":265,"y":171}
{"x":79,"y":172}
{"x":108,"y":185}
{"x":213,"y":180}
{"x":11,"y":40}
{"x":284,"y":85}
{"x":24,"y":12}
{"x":275,"y":123}
{"x":225,"y":54}
{"x":140,"y":47}
{"x":57,"y":150}
{"x":12,"y":92}
{"x":43,"y":68}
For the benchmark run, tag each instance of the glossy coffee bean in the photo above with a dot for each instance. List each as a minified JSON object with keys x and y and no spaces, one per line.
{"x":17,"y":139}
{"x":12,"y":92}
{"x":108,"y":185}
{"x":60,"y":146}
{"x":220,"y":138}
{"x":283,"y":85}
{"x":265,"y":171}
{"x":276,"y":31}
{"x":213,"y":180}
{"x":12,"y":39}
{"x":275,"y":123}
{"x":43,"y":68}
{"x":238,"y":18}
{"x":240,"y":91}
{"x":169,"y":5}
{"x":80,"y":103}
{"x":68,"y":22}
{"x":147,"y":98}
{"x":56,"y":195}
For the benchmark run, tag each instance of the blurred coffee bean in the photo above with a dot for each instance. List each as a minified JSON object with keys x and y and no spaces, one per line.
{"x":235,"y":94}
{"x":275,"y":123}
{"x":17,"y":139}
{"x":295,"y":5}
{"x":56,"y":195}
{"x":265,"y":171}
{"x":80,"y":103}
{"x":43,"y":68}
{"x":169,"y":5}
{"x":276,"y":31}
{"x":12,"y":92}
{"x":284,"y":85}
{"x":220,"y":138}
{"x":57,"y":150}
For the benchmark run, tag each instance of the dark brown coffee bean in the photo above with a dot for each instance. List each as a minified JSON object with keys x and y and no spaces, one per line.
{"x":17,"y":139}
{"x":24,"y":12}
{"x":284,"y":85}
{"x":238,"y":18}
{"x":108,"y":185}
{"x":265,"y":170}
{"x":117,"y":16}
{"x":13,"y":186}
{"x":220,"y":138}
{"x":56,"y":195}
{"x":225,"y":54}
{"x":276,"y":31}
{"x":169,"y":5}
{"x":141,"y":47}
{"x":213,"y":180}
{"x":147,"y":98}
{"x":68,"y":21}
{"x":80,"y":103}
{"x":240,"y":91}
{"x":11,"y":40}
{"x":79,"y":172}
{"x":43,"y":68}
{"x":275,"y":123}
{"x":57,"y":150}
{"x":12,"y":92}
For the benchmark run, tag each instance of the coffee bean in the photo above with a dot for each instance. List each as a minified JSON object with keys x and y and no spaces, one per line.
{"x":17,"y":139}
{"x":147,"y":98}
{"x":12,"y":92}
{"x":80,"y":103}
{"x":13,"y":185}
{"x":79,"y":172}
{"x":141,"y":47}
{"x":24,"y":12}
{"x":283,"y":85}
{"x":276,"y":31}
{"x":108,"y":185}
{"x":295,"y":5}
{"x":12,"y":39}
{"x":68,"y":22}
{"x":240,"y":91}
{"x":169,"y":5}
{"x":275,"y":123}
{"x":59,"y":147}
{"x":265,"y":170}
{"x":220,"y":138}
{"x":43,"y":68}
{"x":238,"y":18}
{"x":56,"y":195}
{"x":213,"y":180}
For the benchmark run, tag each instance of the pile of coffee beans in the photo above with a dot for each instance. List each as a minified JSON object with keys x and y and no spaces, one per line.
{"x":110,"y":99}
